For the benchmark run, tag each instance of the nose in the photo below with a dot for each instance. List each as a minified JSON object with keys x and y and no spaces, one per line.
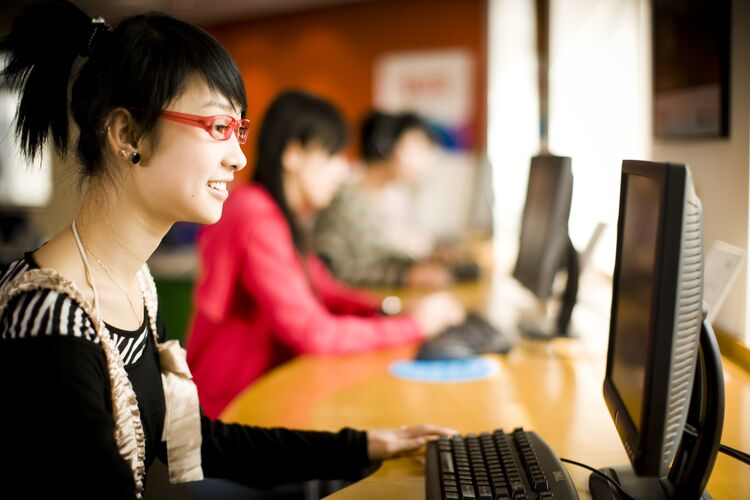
{"x":234,"y":158}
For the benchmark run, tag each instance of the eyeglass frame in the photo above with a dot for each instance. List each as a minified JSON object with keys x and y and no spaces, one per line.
{"x":207,"y":123}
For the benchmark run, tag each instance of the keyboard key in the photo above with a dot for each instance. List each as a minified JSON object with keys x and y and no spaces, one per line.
{"x":517,"y":488}
{"x":467,"y":491}
{"x":446,"y":461}
{"x":501,"y":490}
{"x":484,"y":492}
{"x":540,"y":485}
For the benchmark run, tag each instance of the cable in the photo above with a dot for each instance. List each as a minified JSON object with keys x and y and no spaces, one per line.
{"x":598,"y":473}
{"x":727,"y":450}
{"x":736,"y":454}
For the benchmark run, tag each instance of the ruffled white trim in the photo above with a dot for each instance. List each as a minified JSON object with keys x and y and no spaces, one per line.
{"x":182,"y":422}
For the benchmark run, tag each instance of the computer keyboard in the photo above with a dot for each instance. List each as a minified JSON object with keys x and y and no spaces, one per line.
{"x":496,"y":466}
{"x":474,"y":336}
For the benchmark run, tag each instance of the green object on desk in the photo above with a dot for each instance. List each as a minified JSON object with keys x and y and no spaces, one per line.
{"x":175,"y":305}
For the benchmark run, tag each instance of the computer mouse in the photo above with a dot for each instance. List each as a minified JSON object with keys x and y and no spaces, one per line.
{"x":466,"y":271}
{"x":444,"y":349}
{"x":484,"y":337}
{"x":472,"y":337}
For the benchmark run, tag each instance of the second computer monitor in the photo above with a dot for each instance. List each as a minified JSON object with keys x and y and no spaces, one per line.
{"x":545,"y":247}
{"x":544,"y":226}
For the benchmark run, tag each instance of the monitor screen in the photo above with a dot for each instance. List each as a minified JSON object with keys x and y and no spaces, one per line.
{"x":633,"y":323}
{"x":544,"y":226}
{"x":539,"y":202}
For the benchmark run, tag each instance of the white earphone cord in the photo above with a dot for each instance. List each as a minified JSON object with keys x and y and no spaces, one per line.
{"x":85,"y":260}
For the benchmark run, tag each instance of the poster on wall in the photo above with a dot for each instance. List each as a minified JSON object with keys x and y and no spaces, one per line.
{"x":436,"y":84}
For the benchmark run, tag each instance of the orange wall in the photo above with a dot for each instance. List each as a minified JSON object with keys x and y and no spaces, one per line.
{"x":331,"y":51}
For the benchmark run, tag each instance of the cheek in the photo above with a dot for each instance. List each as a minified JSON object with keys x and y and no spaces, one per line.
{"x":416,"y":157}
{"x":317,"y":187}
{"x":414,"y":167}
{"x":334,"y":177}
{"x":177,"y":176}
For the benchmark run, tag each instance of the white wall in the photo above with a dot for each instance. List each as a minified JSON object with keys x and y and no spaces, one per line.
{"x":598,"y":114}
{"x":512,"y":116}
{"x":599,"y":86}
{"x":720,"y":171}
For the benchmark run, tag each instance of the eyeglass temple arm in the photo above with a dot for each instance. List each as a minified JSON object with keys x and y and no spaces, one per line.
{"x":179,"y":117}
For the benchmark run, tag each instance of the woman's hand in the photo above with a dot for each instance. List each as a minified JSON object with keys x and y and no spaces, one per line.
{"x":436,"y":312}
{"x":429,"y":275}
{"x":389,"y":443}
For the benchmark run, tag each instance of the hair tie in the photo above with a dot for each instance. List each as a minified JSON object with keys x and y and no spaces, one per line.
{"x":98,"y":29}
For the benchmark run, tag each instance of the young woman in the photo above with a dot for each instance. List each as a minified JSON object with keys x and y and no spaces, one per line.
{"x":91,"y":391}
{"x":263,"y":296}
{"x":367,"y":234}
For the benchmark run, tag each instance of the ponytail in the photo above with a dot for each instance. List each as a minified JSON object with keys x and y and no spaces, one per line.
{"x":141,"y":66}
{"x":41,"y":48}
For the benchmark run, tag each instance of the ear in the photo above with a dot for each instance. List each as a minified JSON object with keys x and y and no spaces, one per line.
{"x":120,"y":133}
{"x":292,"y":158}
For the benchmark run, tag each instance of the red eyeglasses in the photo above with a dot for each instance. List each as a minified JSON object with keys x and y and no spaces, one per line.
{"x":219,"y":127}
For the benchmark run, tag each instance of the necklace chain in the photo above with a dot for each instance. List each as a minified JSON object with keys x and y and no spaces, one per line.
{"x":112,"y":279}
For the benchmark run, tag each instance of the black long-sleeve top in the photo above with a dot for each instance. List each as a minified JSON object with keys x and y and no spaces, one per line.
{"x":56,"y":425}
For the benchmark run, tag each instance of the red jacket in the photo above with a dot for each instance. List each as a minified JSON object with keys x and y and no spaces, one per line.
{"x":256,"y":307}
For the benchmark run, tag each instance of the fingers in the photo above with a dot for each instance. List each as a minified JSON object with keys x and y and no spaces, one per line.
{"x":388,"y":443}
{"x":409,"y":445}
{"x":427,"y":430}
{"x":418,"y":435}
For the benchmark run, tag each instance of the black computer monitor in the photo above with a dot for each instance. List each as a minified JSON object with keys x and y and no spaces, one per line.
{"x":668,"y":413}
{"x":545,"y":247}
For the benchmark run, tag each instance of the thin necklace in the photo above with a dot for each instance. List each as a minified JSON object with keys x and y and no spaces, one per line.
{"x":109,"y":275}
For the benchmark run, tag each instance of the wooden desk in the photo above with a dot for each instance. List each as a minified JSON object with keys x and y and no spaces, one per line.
{"x":554,"y":390}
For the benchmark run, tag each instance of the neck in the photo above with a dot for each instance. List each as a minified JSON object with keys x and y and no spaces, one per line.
{"x":376,"y":175}
{"x":117,"y":234}
{"x":295,"y":198}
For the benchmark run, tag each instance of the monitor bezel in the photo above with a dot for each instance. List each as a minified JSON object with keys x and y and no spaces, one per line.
{"x":645,"y":458}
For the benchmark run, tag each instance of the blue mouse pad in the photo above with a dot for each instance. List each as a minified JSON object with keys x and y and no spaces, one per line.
{"x":446,"y":370}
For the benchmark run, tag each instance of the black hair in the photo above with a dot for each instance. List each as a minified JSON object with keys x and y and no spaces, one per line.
{"x":142,"y":65}
{"x":380,"y":132}
{"x":295,"y":116}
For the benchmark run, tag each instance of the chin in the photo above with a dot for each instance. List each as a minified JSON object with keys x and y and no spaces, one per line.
{"x":213,"y":219}
{"x":207,"y":216}
{"x":323,"y":201}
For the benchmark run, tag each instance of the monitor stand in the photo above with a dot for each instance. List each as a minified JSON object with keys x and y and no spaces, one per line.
{"x":561,"y":328}
{"x":696,"y":454}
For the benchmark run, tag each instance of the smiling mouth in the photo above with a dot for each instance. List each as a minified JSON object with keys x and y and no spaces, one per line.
{"x":217,"y":185}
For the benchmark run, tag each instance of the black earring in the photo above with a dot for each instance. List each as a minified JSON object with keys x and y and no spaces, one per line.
{"x":135,"y":157}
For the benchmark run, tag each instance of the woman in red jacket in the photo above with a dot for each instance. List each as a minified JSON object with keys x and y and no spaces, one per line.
{"x":262,"y":296}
